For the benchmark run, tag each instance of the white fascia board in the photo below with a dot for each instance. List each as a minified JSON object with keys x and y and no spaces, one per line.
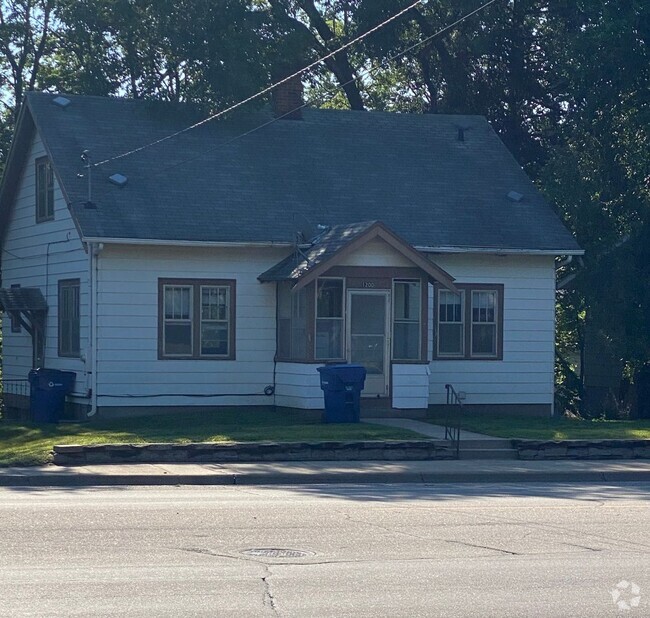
{"x":183,"y":243}
{"x":497,"y":251}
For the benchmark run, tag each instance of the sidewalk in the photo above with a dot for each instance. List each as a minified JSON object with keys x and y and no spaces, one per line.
{"x":329,"y":472}
{"x":436,"y":432}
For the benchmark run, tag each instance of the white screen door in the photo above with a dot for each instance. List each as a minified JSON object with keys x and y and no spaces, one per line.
{"x":368,"y":343}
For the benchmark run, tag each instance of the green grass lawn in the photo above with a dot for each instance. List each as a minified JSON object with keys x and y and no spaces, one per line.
{"x":28,"y":444}
{"x":550,"y":428}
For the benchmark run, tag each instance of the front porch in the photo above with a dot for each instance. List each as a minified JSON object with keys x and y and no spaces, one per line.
{"x":355,"y":294}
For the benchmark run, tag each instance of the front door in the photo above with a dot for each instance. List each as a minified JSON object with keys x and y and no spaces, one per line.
{"x":368,"y":340}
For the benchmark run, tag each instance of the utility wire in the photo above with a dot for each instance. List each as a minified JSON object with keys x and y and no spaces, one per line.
{"x":265,"y":90}
{"x":327,"y":96}
{"x":321,"y":98}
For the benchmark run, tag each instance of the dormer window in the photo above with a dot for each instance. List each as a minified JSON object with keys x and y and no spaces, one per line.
{"x":44,"y":190}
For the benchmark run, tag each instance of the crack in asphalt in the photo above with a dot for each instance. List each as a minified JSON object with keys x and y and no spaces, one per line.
{"x":268,"y":600}
{"x":384,"y":528}
{"x":501,"y":551}
{"x":617,"y":542}
{"x":208,"y":552}
{"x":584,"y":547}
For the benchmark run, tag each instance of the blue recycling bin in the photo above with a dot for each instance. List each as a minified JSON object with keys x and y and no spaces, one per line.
{"x":48,"y":388}
{"x":342,"y":386}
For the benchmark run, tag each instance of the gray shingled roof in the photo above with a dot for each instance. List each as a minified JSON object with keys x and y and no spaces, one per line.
{"x":332,"y":168}
{"x":323,"y":247}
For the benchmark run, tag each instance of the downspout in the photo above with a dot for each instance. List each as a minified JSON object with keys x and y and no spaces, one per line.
{"x":93,"y":259}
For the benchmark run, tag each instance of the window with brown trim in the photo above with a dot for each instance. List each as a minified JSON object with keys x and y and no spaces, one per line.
{"x":469,"y":324}
{"x":69,"y":318}
{"x":196,"y":319}
{"x":44,"y":190}
{"x":13,"y":317}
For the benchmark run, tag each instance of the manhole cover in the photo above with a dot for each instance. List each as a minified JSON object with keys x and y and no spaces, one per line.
{"x":274,"y":552}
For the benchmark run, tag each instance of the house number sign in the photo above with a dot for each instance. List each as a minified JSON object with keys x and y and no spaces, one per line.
{"x":368,"y":284}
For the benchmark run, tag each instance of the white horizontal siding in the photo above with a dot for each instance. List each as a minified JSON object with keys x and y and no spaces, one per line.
{"x":410,"y":386}
{"x":298,"y":386}
{"x":525,"y":375}
{"x":39,"y":255}
{"x":127,"y":321}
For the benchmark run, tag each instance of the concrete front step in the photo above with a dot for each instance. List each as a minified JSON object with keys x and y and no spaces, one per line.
{"x":491,"y":444}
{"x":484,"y":449}
{"x":487,"y":449}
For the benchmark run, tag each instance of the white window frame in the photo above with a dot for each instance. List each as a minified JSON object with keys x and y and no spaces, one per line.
{"x":404,"y":321}
{"x":462,"y":353}
{"x":494,"y":323}
{"x":195,"y":320}
{"x":341,"y":319}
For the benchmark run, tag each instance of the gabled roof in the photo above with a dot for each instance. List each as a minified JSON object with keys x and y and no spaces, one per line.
{"x":247,"y":179}
{"x":306,"y":264}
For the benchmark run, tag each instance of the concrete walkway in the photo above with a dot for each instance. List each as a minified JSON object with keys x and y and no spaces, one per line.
{"x":329,"y":472}
{"x":437,"y":432}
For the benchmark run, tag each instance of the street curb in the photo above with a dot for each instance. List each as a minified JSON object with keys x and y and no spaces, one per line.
{"x":256,"y":478}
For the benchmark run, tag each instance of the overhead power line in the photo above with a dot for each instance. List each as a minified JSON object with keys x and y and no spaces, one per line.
{"x":322,"y":98}
{"x":266,"y":90}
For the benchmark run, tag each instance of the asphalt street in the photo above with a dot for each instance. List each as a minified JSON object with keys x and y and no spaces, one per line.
{"x":336,"y":550}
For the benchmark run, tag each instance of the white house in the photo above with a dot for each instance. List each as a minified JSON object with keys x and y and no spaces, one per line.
{"x":224,"y":264}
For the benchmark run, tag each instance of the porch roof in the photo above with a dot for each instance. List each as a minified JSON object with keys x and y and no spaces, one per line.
{"x":22,"y":299}
{"x":327,"y":249}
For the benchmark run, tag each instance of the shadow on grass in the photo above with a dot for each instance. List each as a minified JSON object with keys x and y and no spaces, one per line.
{"x":29,"y":444}
{"x":540,"y":428}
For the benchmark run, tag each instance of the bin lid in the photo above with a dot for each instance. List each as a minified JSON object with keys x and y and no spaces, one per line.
{"x":44,"y":376}
{"x":345,"y":372}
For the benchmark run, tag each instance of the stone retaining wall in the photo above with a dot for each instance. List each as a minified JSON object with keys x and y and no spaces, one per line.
{"x":214,"y":452}
{"x":582,"y":449}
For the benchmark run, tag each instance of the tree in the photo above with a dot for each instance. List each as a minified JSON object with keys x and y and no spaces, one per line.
{"x":598,"y":173}
{"x":25,"y":37}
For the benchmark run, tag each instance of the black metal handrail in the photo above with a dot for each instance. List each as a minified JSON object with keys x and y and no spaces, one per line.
{"x":14,"y":394}
{"x":453,"y":421}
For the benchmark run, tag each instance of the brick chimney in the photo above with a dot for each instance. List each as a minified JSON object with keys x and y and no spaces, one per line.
{"x":287,"y":100}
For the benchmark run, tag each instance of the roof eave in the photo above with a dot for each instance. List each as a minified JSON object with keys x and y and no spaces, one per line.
{"x":159,"y":242}
{"x":16,"y":159}
{"x":379,"y":230}
{"x":500,"y":251}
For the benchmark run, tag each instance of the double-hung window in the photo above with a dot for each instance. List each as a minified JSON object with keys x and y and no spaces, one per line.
{"x":44,"y":190}
{"x":469,"y":323}
{"x":329,"y":319}
{"x":69,"y":318}
{"x":197,"y":319}
{"x":407,"y":328}
{"x":484,"y":323}
{"x":451,"y":323}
